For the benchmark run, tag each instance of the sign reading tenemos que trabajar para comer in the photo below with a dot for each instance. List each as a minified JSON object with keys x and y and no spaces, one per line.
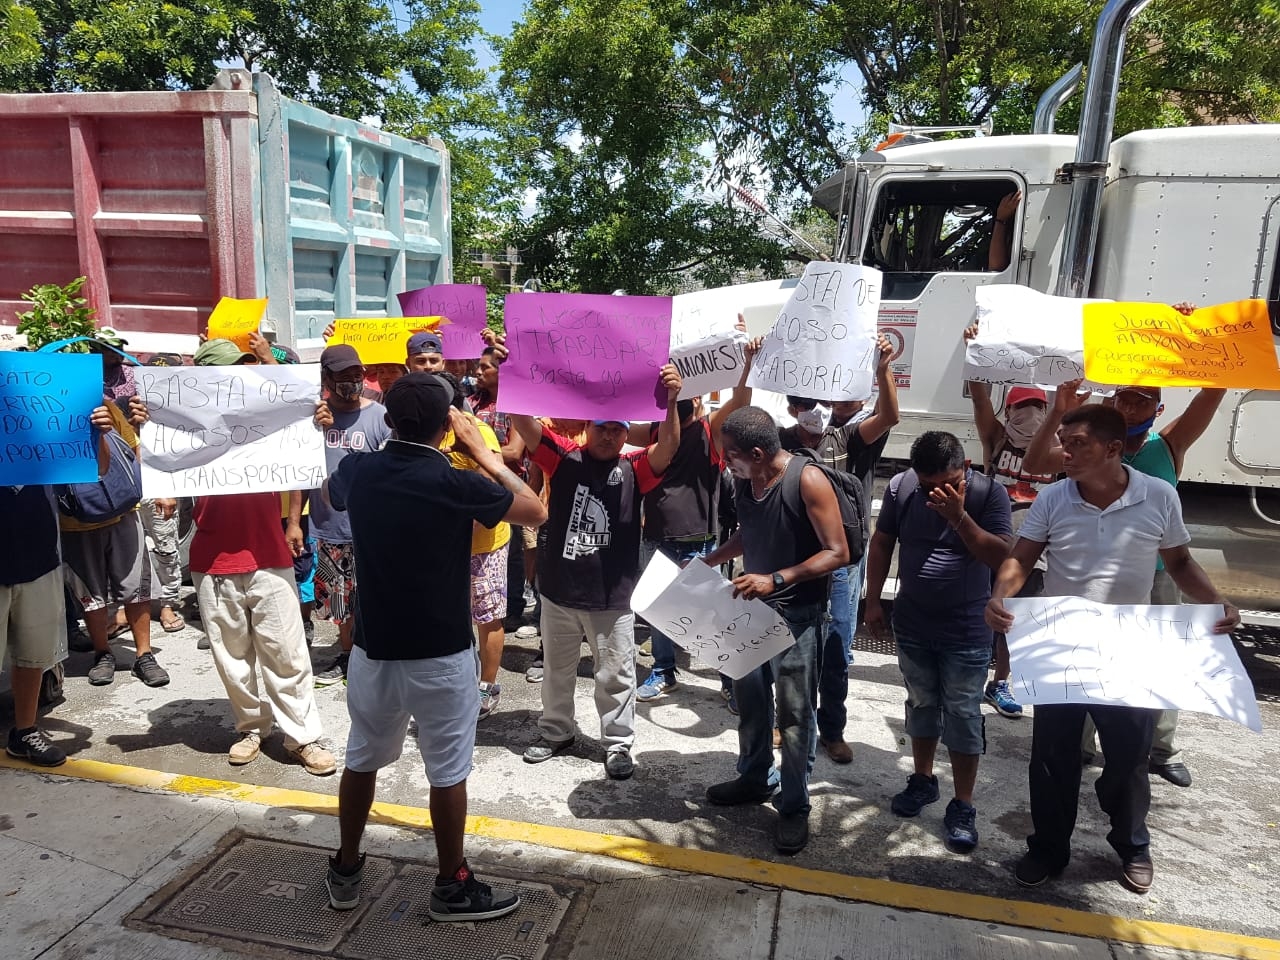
{"x":241,"y":429}
{"x":823,"y":344}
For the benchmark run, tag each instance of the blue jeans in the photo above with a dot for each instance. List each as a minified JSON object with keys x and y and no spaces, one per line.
{"x":664,"y":650}
{"x":944,"y":691}
{"x":837,"y":652}
{"x":791,"y":681}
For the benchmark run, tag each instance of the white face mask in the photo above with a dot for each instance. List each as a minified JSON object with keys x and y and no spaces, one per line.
{"x":815,"y":420}
{"x":1021,"y":424}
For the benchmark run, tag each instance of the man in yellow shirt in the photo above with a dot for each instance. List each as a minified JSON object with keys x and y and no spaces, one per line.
{"x":488,"y":567}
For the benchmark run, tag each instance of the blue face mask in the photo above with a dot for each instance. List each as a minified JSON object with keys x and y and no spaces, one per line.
{"x":1143,"y":427}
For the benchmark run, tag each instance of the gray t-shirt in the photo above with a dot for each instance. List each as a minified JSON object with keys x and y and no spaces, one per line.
{"x":359,"y":431}
{"x":1108,"y":556}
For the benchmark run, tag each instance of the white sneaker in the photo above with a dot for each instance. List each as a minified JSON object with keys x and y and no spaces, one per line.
{"x":527,"y":632}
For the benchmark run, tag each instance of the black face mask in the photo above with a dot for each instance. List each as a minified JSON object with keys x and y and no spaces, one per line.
{"x":348,"y":391}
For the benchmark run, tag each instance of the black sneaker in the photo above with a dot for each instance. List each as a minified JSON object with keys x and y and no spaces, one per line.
{"x":336,"y":673}
{"x":30,"y":745}
{"x":921,"y":791}
{"x":961,"y":823}
{"x":792,"y":833}
{"x":148,"y":671}
{"x":78,"y":641}
{"x":464,"y":898}
{"x":103,"y":670}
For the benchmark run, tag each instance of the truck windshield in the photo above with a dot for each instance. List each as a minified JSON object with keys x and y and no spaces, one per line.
{"x":923,"y":227}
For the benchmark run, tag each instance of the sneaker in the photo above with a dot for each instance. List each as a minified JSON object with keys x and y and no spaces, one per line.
{"x":534,"y":673}
{"x":733,"y":793}
{"x":545,"y":749}
{"x":1137,"y":874}
{"x":103,"y":670}
{"x":203,"y":642}
{"x":999,"y":696}
{"x":316,"y":759}
{"x":656,"y":686}
{"x":464,"y":898}
{"x":618,"y":764}
{"x":792,"y":833}
{"x":527,"y":632}
{"x":148,"y":671}
{"x":490,"y":694}
{"x":961,"y":823}
{"x":78,"y":641}
{"x":344,"y":888}
{"x":1031,"y":871}
{"x":32,"y":746}
{"x":245,"y":750}
{"x":334,"y":673}
{"x":921,"y":790}
{"x":309,"y":631}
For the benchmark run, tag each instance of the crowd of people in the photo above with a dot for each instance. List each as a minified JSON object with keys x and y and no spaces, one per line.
{"x":566,"y":512}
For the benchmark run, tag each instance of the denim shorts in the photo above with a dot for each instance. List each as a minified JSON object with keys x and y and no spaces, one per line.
{"x":944,"y":691}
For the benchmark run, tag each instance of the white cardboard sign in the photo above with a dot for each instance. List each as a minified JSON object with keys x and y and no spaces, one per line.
{"x":1026,"y":337}
{"x":696,"y":608}
{"x":237,"y":429}
{"x":703,"y":313}
{"x":1070,"y":650}
{"x":823,"y":344}
{"x":712,"y":363}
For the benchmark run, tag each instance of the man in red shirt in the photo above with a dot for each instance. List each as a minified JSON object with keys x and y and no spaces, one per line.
{"x":242,"y":566}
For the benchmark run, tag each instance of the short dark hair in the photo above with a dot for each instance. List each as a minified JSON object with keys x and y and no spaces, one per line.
{"x":804,"y":403}
{"x":492,"y":354}
{"x":935,"y":452}
{"x":752,"y":427}
{"x":1103,"y":423}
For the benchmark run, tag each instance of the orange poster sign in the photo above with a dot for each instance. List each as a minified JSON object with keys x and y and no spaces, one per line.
{"x":1153,"y":345}
{"x":234,"y":320}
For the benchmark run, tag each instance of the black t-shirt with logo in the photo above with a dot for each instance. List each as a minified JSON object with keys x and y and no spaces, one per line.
{"x":589,"y":548}
{"x":411,"y":519}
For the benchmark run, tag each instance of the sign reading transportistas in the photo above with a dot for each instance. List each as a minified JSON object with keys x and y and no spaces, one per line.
{"x":586,"y":356}
{"x":241,"y":429}
{"x":1071,"y":650}
{"x":696,"y":608}
{"x":45,"y":403}
{"x":823,"y":344}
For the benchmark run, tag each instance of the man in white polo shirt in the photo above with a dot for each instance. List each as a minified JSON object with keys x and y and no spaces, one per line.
{"x":1101,"y":530}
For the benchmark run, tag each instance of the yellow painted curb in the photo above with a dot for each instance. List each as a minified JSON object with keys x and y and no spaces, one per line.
{"x":888,"y":893}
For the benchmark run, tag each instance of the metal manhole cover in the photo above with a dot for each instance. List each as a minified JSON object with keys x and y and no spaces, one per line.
{"x":254,"y":891}
{"x":398,"y":926}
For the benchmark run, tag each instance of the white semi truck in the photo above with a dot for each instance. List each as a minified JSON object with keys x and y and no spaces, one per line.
{"x":1158,"y":215}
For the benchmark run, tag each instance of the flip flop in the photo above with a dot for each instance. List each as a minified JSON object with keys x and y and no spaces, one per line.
{"x":117,"y":630}
{"x":174,"y":624}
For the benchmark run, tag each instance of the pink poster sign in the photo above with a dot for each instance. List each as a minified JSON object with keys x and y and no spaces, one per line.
{"x":586,"y":356}
{"x":464,"y":306}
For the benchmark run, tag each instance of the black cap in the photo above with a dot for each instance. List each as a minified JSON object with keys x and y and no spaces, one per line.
{"x":339,"y":357}
{"x":418,"y":404}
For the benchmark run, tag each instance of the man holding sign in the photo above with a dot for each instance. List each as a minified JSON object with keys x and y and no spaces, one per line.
{"x":1101,"y":530}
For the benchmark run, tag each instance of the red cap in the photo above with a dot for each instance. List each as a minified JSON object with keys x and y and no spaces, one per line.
{"x":1019,"y":395}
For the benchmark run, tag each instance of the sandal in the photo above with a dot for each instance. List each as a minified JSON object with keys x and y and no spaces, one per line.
{"x":174,"y":624}
{"x":117,"y":630}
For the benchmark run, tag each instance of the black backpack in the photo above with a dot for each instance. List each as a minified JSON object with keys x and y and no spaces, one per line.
{"x":111,"y":496}
{"x":850,"y":497}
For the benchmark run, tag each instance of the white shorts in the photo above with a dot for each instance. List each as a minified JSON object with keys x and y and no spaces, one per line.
{"x":33,"y":623}
{"x":441,"y":693}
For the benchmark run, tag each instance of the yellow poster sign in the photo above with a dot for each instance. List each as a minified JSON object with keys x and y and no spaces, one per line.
{"x":1153,"y":345}
{"x":234,"y":320}
{"x":382,"y":340}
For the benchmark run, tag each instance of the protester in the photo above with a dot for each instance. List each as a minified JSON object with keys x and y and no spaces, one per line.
{"x":351,"y":424}
{"x":1004,"y":448}
{"x":1101,"y":531}
{"x":413,"y":656}
{"x":791,"y":538}
{"x":954,"y":529}
{"x":489,"y":549}
{"x":852,"y":440}
{"x":160,"y":521}
{"x":242,"y":568}
{"x":682,"y":514}
{"x":1158,"y":454}
{"x":589,"y":571}
{"x":424,"y":353}
{"x":107,"y":563}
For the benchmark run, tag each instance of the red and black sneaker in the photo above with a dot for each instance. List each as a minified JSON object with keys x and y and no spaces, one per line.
{"x":463,"y":897}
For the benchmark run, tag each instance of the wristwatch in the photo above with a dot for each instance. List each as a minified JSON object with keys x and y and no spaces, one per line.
{"x":778,"y":581}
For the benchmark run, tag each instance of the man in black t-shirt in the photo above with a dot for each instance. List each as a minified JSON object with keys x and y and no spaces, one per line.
{"x":588,"y":565}
{"x":412,"y":655}
{"x":852,"y":442}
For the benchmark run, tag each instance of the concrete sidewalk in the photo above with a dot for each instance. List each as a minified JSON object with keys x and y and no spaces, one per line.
{"x":103,"y":870}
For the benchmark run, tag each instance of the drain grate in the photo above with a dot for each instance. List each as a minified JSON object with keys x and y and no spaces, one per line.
{"x":266,"y":892}
{"x":397,"y":927}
